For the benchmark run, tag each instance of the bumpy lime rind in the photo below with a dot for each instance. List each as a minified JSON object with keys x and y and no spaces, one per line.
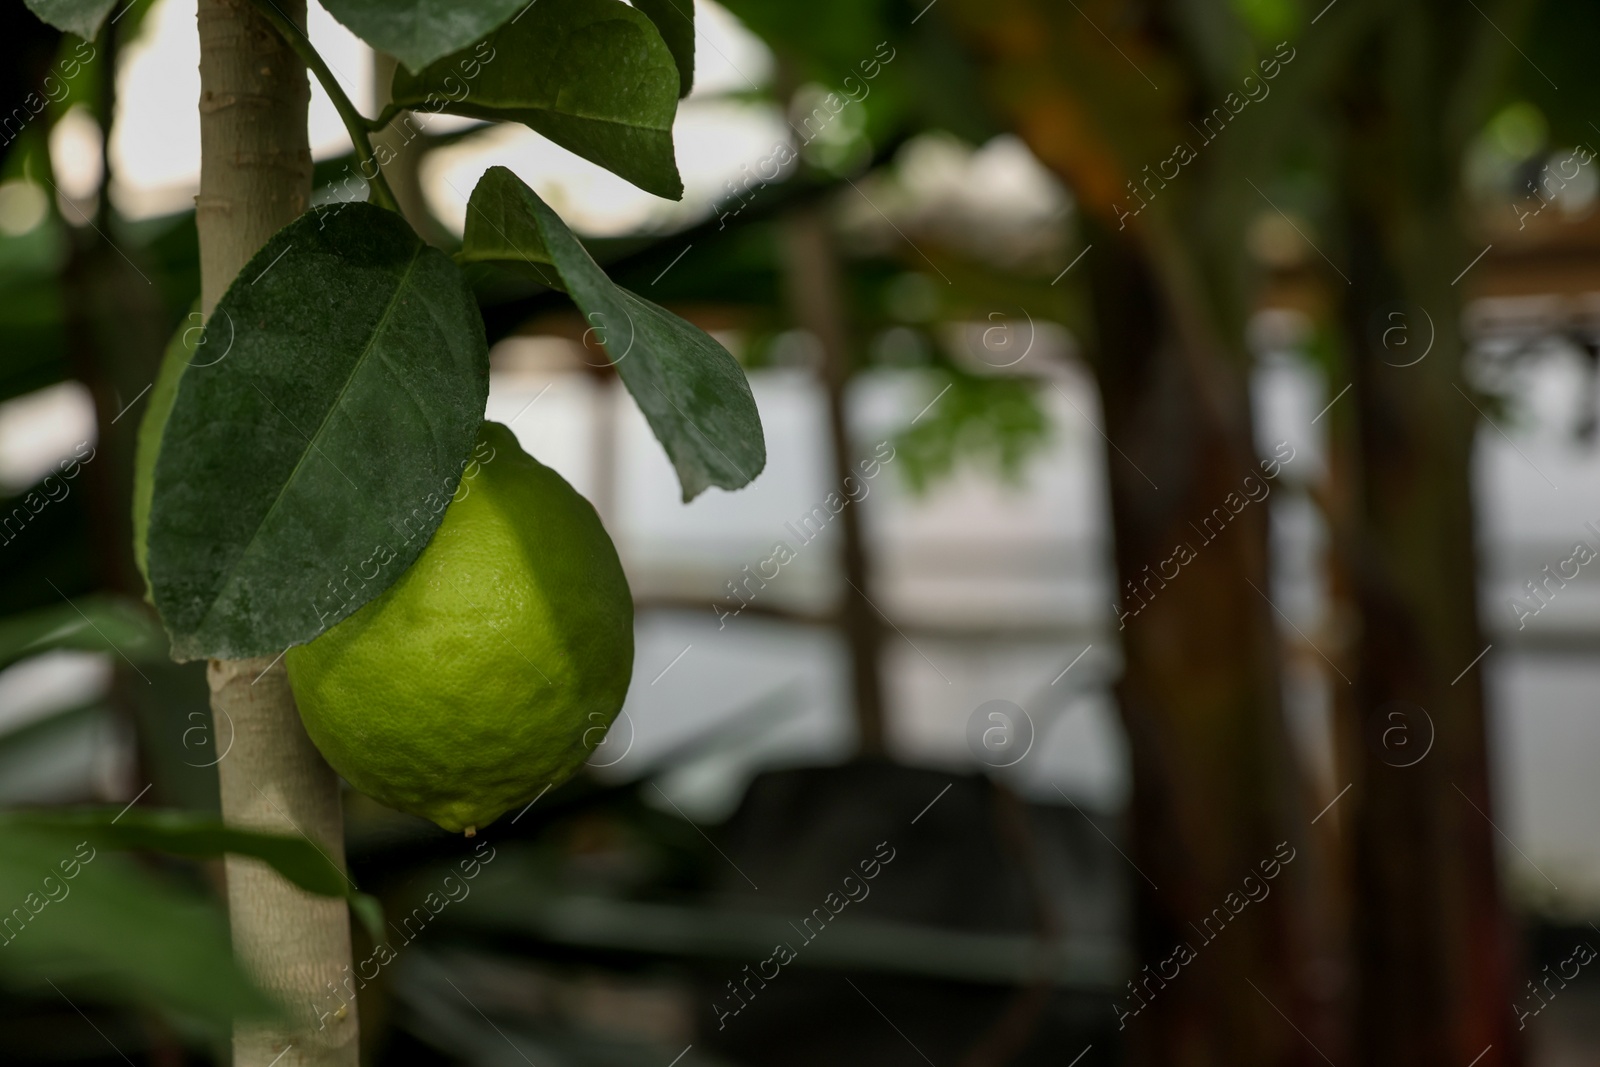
{"x":490,"y":669}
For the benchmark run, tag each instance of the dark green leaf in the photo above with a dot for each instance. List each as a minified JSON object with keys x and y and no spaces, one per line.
{"x":675,"y":21}
{"x":196,"y":836}
{"x":95,"y":923}
{"x":594,"y":76}
{"x":82,"y":17}
{"x":180,"y":353}
{"x":93,"y":624}
{"x":690,"y":389}
{"x":500,"y":229}
{"x":417,"y":32}
{"x":309,"y":460}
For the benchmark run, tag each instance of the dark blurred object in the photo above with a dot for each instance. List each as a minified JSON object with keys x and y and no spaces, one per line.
{"x":965,"y":857}
{"x":26,"y":54}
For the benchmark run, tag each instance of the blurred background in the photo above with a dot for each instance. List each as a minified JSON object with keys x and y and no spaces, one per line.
{"x":1181,"y":424}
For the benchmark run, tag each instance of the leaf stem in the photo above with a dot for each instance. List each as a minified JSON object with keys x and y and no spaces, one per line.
{"x":357,"y":124}
{"x":386,"y":117}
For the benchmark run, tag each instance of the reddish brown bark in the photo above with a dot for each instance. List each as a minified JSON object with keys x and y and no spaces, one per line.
{"x":1214,"y":794}
{"x":1433,"y":946}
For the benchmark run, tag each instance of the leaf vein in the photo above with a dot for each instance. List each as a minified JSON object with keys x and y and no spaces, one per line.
{"x":312,"y":445}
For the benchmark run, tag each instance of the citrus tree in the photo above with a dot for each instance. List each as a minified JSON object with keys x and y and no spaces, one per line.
{"x":319,"y":507}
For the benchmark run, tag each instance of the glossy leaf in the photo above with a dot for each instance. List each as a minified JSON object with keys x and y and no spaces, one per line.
{"x":94,"y":923}
{"x":417,"y":32}
{"x":82,"y":17}
{"x":307,"y":462}
{"x":91,"y":624}
{"x":691,"y":391}
{"x":674,"y":20}
{"x":182,"y":833}
{"x":594,"y":76}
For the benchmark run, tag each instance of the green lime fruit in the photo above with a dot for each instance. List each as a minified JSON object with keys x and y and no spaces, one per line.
{"x":492,"y":667}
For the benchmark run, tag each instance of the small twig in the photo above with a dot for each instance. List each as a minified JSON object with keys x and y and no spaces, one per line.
{"x":358,"y":125}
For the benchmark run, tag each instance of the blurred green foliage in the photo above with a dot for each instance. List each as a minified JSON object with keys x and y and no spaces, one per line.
{"x":993,"y":424}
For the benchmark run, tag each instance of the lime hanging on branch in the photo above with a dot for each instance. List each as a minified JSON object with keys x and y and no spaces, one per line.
{"x":292,"y":474}
{"x":492,"y":667}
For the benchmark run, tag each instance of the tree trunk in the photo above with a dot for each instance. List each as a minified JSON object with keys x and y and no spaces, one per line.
{"x":816,"y":295}
{"x":116,"y":330}
{"x":1214,"y":796}
{"x":1433,"y":946}
{"x":255,"y":177}
{"x":1216,"y":804}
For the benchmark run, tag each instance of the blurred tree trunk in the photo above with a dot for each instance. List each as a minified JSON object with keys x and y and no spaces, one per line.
{"x":1434,"y":949}
{"x":1213,"y":779}
{"x":816,"y":296}
{"x":116,"y":329}
{"x":1215,"y":793}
